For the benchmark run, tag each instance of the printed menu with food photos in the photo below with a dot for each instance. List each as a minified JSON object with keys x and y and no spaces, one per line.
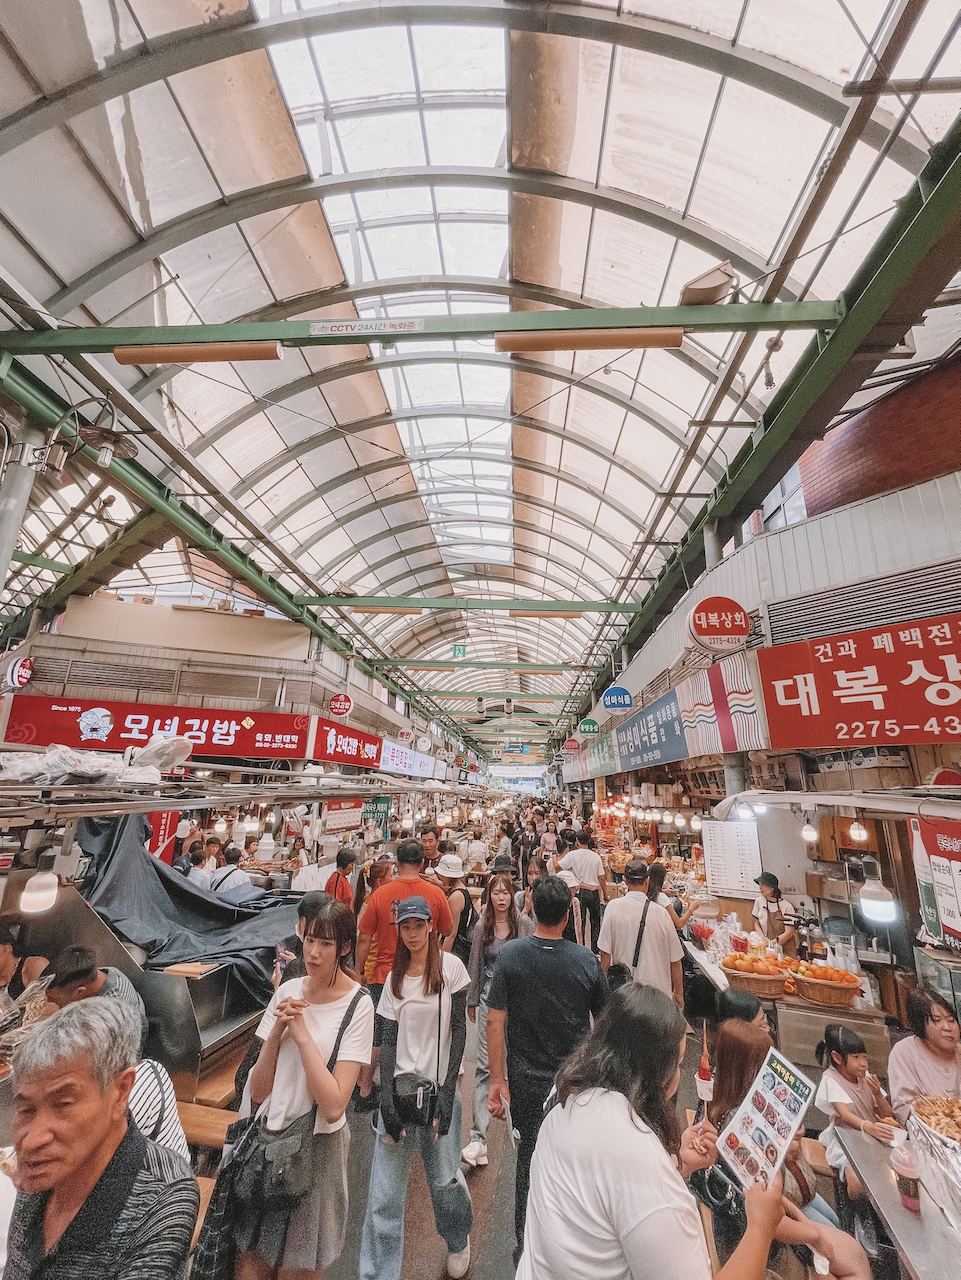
{"x":756,"y":1140}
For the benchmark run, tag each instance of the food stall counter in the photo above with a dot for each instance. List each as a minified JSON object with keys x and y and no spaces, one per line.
{"x":713,"y":972}
{"x":926,"y":1244}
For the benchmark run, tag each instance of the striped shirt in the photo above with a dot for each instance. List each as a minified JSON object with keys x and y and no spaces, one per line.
{"x":136,"y":1224}
{"x":153,"y":1105}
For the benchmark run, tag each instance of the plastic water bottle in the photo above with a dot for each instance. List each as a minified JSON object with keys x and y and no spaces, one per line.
{"x":922,"y":870}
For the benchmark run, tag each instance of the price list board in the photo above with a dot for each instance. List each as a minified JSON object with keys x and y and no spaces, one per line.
{"x":732,"y":856}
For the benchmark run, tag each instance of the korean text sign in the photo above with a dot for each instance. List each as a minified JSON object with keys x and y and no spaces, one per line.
{"x":86,"y":722}
{"x":898,"y":683}
{"x":341,"y":745}
{"x":942,"y":844}
{"x":652,"y":736}
{"x":756,"y":1139}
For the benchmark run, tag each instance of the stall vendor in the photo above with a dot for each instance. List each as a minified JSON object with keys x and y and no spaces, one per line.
{"x":927,"y":1064}
{"x":771,"y":911}
{"x":17,"y":970}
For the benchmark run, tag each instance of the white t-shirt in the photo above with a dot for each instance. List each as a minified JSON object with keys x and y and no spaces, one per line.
{"x":606,"y":1200}
{"x":762,"y":910}
{"x":586,"y":865}
{"x":416,"y":1016}
{"x":660,"y":945}
{"x":290,"y":1096}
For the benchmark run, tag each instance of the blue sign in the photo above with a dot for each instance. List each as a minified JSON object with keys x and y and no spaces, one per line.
{"x":652,"y":736}
{"x":517,"y":749}
{"x":618,"y":698}
{"x":559,"y":757}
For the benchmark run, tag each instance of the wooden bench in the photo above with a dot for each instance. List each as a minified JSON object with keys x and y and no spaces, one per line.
{"x":217,"y":1088}
{"x":205,"y":1126}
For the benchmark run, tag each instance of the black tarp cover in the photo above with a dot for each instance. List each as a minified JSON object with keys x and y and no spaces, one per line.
{"x":173,"y":920}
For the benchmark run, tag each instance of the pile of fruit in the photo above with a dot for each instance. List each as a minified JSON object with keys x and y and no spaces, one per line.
{"x":769,"y":967}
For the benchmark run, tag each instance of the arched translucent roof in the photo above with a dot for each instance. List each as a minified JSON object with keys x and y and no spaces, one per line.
{"x":287,"y":159}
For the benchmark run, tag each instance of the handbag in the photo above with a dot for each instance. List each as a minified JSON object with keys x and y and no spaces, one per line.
{"x":415,"y":1097}
{"x":274,"y":1166}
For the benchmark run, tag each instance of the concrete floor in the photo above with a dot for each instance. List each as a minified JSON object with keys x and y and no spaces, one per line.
{"x":492,"y":1193}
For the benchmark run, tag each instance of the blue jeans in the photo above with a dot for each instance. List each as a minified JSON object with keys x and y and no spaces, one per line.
{"x":382,"y":1240}
{"x":482,"y":1077}
{"x":820,"y":1211}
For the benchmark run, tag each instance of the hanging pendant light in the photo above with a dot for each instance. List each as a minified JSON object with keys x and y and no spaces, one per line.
{"x":858,"y":831}
{"x":809,"y":833}
{"x":696,"y":822}
{"x":40,"y":891}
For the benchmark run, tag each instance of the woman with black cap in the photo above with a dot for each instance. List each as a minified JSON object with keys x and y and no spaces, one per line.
{"x":424,"y":1010}
{"x":771,"y":911}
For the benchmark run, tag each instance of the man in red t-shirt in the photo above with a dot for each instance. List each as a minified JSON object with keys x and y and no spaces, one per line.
{"x":338,"y":886}
{"x":378,"y":920}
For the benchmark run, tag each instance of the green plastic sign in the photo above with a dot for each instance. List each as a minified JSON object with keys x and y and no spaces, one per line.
{"x":588,"y":728}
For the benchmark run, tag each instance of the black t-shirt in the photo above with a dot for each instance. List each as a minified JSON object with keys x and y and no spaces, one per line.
{"x":548,"y":987}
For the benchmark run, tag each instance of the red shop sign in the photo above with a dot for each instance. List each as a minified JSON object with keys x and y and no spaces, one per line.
{"x":719,"y":624}
{"x":164,"y":828}
{"x":340,"y":704}
{"x":346,"y":746}
{"x":85,"y":722}
{"x":941,"y":841}
{"x":894,"y":684}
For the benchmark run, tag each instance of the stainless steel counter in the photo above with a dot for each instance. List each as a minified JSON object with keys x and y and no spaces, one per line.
{"x":928,"y":1246}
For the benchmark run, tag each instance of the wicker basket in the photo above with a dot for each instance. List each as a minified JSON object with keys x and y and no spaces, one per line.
{"x":761,"y":985}
{"x":837,"y":995}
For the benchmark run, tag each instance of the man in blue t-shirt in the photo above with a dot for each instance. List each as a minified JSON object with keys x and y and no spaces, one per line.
{"x":542,"y":995}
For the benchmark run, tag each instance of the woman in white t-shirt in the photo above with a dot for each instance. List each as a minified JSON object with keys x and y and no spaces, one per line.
{"x":774,"y":913}
{"x":608,"y":1199}
{"x":424,"y":1007}
{"x":299,"y":1030}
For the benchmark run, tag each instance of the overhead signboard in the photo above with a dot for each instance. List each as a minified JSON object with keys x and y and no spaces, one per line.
{"x":337,"y":743}
{"x":343,"y":815}
{"x":618,"y":699}
{"x":719,"y":624}
{"x":340,"y":704}
{"x":376,"y":813}
{"x":893,"y":684}
{"x":424,"y":744}
{"x":652,"y":736}
{"x":588,"y":729}
{"x":405,"y":737}
{"x":395,"y":758}
{"x":90,"y":723}
{"x":571,"y":747}
{"x":19,"y":673}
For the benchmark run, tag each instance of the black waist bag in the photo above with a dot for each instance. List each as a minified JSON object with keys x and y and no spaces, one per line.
{"x":415,"y":1097}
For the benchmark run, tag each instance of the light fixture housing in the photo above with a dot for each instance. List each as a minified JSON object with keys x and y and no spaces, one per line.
{"x":655,"y":815}
{"x":220,"y":826}
{"x":745,"y":812}
{"x":876,"y":902}
{"x":759,"y":807}
{"x":40,"y":891}
{"x":696,"y":822}
{"x":680,"y":820}
{"x":858,"y":831}
{"x":809,"y":833}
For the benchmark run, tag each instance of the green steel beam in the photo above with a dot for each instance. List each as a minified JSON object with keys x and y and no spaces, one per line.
{"x":914,"y":258}
{"x":496,"y":693}
{"x":732,"y":317}
{"x":41,"y":562}
{"x":467,"y":603}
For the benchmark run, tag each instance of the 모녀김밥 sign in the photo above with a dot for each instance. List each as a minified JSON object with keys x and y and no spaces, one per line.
{"x":337,"y":743}
{"x":893,"y":684}
{"x":756,"y":1139}
{"x":89,"y":723}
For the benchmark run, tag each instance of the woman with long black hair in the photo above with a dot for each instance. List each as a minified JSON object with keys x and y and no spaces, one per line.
{"x":655,"y":891}
{"x":424,"y":1010}
{"x":499,"y":923}
{"x":607,"y":1198}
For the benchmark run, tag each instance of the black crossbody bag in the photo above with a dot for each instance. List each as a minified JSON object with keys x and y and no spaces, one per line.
{"x":640,"y":935}
{"x":415,"y":1097}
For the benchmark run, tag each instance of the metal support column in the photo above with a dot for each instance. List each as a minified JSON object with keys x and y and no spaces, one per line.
{"x":712,"y":544}
{"x":15,"y":494}
{"x":735,"y":772}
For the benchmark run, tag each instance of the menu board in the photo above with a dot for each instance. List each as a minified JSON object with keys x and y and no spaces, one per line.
{"x":756,"y":1140}
{"x":732,"y":856}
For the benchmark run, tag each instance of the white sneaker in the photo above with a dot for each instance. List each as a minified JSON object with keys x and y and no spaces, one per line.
{"x":475,"y":1154}
{"x":457,"y":1263}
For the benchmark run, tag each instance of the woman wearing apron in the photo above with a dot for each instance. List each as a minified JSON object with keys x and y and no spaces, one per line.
{"x":772,"y":913}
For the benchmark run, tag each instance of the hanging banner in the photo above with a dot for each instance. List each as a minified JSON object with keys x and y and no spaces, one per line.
{"x":163,"y":827}
{"x":87,"y":722}
{"x":900,"y":683}
{"x":343,"y":815}
{"x":340,"y":745}
{"x":941,"y":841}
{"x":652,"y":736}
{"x":376,"y":813}
{"x":394,"y":758}
{"x":719,"y":708}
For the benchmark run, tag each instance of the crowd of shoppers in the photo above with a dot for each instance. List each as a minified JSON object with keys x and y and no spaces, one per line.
{"x":577,"y":997}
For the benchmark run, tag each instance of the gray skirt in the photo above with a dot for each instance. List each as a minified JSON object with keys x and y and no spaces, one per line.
{"x":311,"y":1235}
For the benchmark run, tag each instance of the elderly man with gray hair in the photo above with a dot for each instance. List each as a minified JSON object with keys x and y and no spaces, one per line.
{"x":95,"y":1198}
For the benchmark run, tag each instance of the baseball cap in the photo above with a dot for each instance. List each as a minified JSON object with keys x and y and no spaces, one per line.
{"x":414,"y":908}
{"x":768,"y":878}
{"x":636,"y":871}
{"x":450,"y":866}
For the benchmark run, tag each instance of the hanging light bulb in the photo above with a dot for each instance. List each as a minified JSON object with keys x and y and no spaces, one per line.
{"x":696,"y":822}
{"x":745,"y":812}
{"x":40,"y":891}
{"x":680,"y":820}
{"x":252,"y":824}
{"x":220,"y":826}
{"x":858,"y":831}
{"x":667,"y":816}
{"x":809,"y":833}
{"x":633,"y":812}
{"x":759,"y":808}
{"x":655,"y":815}
{"x":876,"y":902}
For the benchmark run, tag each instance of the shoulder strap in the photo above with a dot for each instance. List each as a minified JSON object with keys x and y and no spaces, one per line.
{"x":345,"y":1023}
{"x":155,"y":1133}
{"x":640,"y":933}
{"x":440,"y":997}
